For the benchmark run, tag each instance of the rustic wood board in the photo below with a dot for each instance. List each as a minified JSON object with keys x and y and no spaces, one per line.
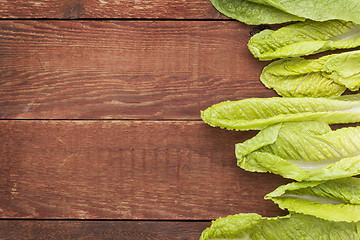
{"x":126,"y":170}
{"x":100,"y":130}
{"x":123,"y":70}
{"x":114,"y":230}
{"x":102,"y":9}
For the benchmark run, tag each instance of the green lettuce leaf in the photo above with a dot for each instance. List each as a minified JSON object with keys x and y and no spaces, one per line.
{"x":302,"y":151}
{"x":252,"y":226}
{"x":318,"y":10}
{"x":337,"y":200}
{"x":299,"y":77}
{"x":323,"y":77}
{"x":327,"y":76}
{"x":304,"y":38}
{"x":344,"y":69}
{"x":253,"y":13}
{"x":257,"y":113}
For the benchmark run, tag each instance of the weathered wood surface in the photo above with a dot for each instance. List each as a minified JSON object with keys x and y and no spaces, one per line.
{"x":123,"y":69}
{"x":126,"y":170}
{"x":155,"y":160}
{"x":102,"y":9}
{"x":114,"y":230}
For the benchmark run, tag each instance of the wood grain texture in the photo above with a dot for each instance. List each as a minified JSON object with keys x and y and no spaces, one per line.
{"x":124,"y":69}
{"x":112,"y":230}
{"x":102,"y":9}
{"x":126,"y":170}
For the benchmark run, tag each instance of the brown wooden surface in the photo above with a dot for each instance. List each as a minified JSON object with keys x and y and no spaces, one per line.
{"x":70,"y":9}
{"x":123,"y":70}
{"x":126,"y":170}
{"x":112,"y":230}
{"x":100,"y":130}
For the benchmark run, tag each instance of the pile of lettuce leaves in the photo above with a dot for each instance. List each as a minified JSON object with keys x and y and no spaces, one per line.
{"x":295,"y":138}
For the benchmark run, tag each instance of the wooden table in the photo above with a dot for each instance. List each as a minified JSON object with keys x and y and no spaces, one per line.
{"x":100,"y":130}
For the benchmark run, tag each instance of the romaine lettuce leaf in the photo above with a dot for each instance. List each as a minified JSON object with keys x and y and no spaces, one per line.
{"x":304,"y":38}
{"x":327,"y":76}
{"x":253,"y":13}
{"x":288,"y":83}
{"x":319,"y":10}
{"x":257,"y":113}
{"x":252,"y":226}
{"x":336,"y":200}
{"x":302,"y":151}
{"x":344,"y":69}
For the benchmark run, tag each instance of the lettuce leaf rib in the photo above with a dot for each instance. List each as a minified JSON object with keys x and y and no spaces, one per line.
{"x":252,"y":226}
{"x":304,"y":38}
{"x":258,"y":113}
{"x":336,"y":200}
{"x":302,"y":151}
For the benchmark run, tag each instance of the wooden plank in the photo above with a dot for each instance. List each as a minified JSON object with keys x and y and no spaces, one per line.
{"x":123,"y":69}
{"x":122,"y":230}
{"x":126,"y":170}
{"x":75,"y":9}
